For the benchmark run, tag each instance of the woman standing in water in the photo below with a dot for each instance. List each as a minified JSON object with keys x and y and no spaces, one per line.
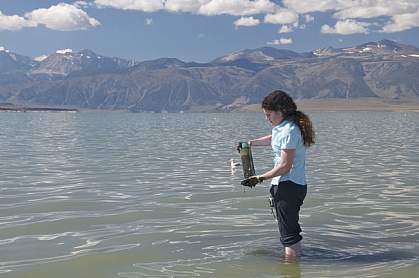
{"x":292,"y":133}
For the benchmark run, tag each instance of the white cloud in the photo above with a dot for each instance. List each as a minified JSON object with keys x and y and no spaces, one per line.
{"x":236,"y":7}
{"x":376,"y":8}
{"x":141,"y":5}
{"x":285,"y":29}
{"x":282,"y":16}
{"x":346,"y":27}
{"x":148,"y":21}
{"x":308,"y":18}
{"x":362,"y":12}
{"x":281,"y":41}
{"x":402,"y":13}
{"x":303,"y":7}
{"x":402,"y":22}
{"x":14,"y":22}
{"x":246,"y":21}
{"x":63,"y":17}
{"x":83,"y":4}
{"x":203,"y":7}
{"x":399,"y":12}
{"x":191,"y":6}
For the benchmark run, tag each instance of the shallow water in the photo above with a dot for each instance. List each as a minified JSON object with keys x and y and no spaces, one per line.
{"x":152,"y":195}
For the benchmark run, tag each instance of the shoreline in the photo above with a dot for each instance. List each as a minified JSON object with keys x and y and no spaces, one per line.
{"x":309,"y":105}
{"x":37,"y":109}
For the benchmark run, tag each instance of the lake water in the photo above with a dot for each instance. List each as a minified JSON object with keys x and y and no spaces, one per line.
{"x":96,"y":194}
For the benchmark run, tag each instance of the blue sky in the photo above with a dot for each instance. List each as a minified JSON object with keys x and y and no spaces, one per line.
{"x":201,"y":30}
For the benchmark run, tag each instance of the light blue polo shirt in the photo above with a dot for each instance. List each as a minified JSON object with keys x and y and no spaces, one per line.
{"x":285,"y":136}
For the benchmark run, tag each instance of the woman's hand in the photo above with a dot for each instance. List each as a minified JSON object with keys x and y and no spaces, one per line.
{"x":252,"y":181}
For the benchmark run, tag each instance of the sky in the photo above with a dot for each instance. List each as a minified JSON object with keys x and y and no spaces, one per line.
{"x":201,"y":30}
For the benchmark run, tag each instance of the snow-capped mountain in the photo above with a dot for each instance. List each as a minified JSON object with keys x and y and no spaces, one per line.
{"x":387,"y":46}
{"x":383,"y":69}
{"x":67,"y":62}
{"x":383,"y":47}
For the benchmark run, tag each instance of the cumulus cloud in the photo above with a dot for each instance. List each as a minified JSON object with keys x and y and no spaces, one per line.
{"x":281,"y":41}
{"x":344,"y":9}
{"x":236,"y":7}
{"x":282,"y":16}
{"x":402,"y":22}
{"x":402,"y":14}
{"x":14,"y":22}
{"x":141,"y":5}
{"x":203,"y":7}
{"x":285,"y":29}
{"x":303,"y":7}
{"x":191,"y":6}
{"x":362,"y":12}
{"x":376,"y":8}
{"x":345,"y":27}
{"x":246,"y":21}
{"x":347,"y":13}
{"x":308,"y":18}
{"x":63,"y":17}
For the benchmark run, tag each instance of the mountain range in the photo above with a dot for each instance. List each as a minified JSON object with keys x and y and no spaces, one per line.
{"x":84,"y":79}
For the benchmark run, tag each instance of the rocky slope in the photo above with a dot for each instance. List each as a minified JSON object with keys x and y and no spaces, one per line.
{"x":383,"y":69}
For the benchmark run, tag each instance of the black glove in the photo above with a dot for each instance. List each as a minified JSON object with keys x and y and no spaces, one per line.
{"x":252,"y":181}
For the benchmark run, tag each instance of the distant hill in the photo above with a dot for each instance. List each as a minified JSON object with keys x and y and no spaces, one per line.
{"x":84,"y":79}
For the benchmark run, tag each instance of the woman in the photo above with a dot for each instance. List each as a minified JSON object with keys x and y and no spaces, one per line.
{"x":292,"y":133}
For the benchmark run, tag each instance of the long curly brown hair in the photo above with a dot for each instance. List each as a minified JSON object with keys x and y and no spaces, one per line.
{"x":281,"y":101}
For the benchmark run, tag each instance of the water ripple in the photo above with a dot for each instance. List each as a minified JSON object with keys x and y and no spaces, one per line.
{"x":152,"y":195}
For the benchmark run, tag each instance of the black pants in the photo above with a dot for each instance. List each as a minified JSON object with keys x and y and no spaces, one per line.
{"x":288,"y":198}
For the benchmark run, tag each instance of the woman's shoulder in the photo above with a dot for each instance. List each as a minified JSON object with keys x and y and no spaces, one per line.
{"x":290,"y":126}
{"x":287,"y":127}
{"x":292,"y":129}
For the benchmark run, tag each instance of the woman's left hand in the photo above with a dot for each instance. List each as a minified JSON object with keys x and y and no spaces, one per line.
{"x":252,"y":181}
